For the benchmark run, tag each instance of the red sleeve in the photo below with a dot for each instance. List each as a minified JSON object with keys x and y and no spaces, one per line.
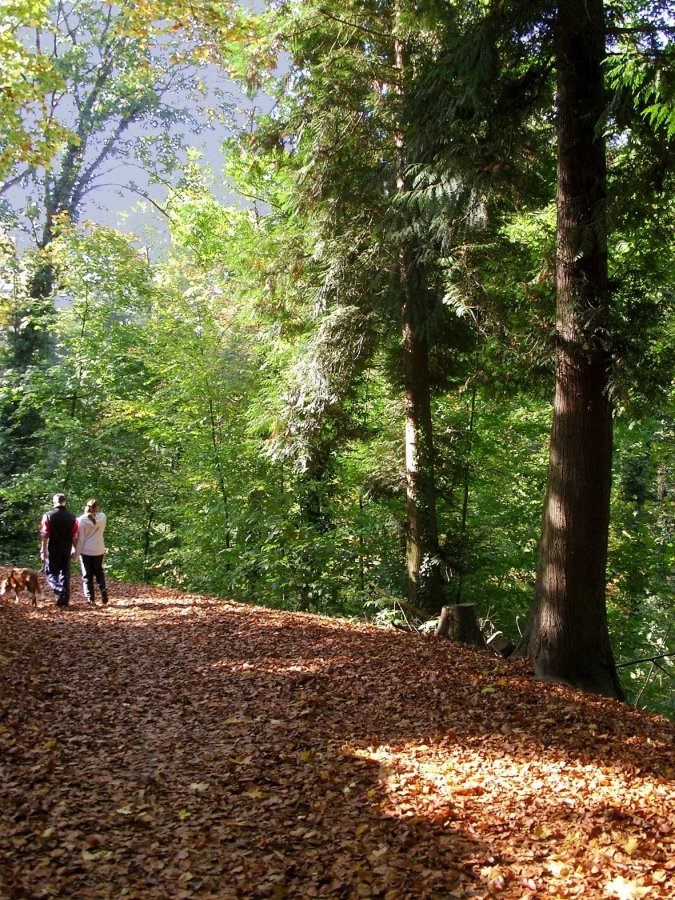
{"x":76,"y":528}
{"x":44,"y":526}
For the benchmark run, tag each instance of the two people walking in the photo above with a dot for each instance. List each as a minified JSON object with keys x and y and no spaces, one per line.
{"x":65,"y":536}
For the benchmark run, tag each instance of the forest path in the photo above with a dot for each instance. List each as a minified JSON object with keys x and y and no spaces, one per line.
{"x":180,"y":746}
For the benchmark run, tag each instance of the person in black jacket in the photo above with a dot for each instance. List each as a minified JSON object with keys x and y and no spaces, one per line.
{"x":58,"y":530}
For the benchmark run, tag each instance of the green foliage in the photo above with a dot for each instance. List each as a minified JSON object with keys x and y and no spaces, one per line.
{"x":642,"y":559}
{"x":29,"y":135}
{"x":106,"y":77}
{"x":237,"y":406}
{"x":641,"y":67}
{"x":83,"y":394}
{"x":503,"y":462}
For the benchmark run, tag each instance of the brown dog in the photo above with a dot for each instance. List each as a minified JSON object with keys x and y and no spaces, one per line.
{"x":22,"y":580}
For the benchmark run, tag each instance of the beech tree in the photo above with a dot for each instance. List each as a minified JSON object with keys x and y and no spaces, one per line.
{"x":101,"y":76}
{"x":110,"y":78}
{"x":29,"y":135}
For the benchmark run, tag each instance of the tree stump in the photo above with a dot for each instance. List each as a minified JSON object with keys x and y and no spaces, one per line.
{"x":459,"y":623}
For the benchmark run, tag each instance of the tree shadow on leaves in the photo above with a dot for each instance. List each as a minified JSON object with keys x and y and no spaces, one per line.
{"x":214,"y":750}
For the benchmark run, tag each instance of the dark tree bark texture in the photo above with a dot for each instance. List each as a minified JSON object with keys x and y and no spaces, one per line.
{"x":567,"y":636}
{"x":422,"y":551}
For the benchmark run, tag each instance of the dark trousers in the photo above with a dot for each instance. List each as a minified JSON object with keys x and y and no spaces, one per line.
{"x":57,"y":572}
{"x":92,"y":568}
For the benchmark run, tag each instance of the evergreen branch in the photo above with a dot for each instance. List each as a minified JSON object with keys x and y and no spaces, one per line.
{"x":370,"y":31}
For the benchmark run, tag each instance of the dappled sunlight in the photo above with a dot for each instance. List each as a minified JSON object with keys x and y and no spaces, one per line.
{"x":181,"y":745}
{"x":548,"y":822}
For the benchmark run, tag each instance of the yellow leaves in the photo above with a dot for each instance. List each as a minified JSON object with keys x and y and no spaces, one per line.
{"x":625,"y":890}
{"x":184,"y":814}
{"x":494,"y":686}
{"x":90,"y":855}
{"x":541,"y":832}
{"x":255,"y":793}
{"x":199,"y":786}
{"x":380,"y":851}
{"x":125,"y":811}
{"x":630,"y":846}
{"x":495,"y":877}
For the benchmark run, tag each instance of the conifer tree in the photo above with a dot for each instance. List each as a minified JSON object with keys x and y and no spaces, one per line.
{"x":520,"y":46}
{"x":567,"y":634}
{"x":347,"y":120}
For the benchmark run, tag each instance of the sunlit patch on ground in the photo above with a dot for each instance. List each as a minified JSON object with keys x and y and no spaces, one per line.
{"x":557,"y":825}
{"x":173,"y":745}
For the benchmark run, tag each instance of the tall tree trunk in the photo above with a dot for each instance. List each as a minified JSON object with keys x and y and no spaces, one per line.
{"x":147,"y":539}
{"x":314,"y":487}
{"x":422,"y":550}
{"x":567,"y":637}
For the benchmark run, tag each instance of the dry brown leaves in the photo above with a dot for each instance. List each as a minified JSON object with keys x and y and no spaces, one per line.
{"x":177,"y":746}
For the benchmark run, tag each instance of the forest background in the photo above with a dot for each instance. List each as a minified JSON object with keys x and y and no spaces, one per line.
{"x":332,"y":391}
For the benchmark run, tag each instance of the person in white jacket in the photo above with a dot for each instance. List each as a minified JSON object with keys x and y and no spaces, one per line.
{"x":91,"y":550}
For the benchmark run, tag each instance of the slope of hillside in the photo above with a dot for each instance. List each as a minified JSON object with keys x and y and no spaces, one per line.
{"x":179,"y":746}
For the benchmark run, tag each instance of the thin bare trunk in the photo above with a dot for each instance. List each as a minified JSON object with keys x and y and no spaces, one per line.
{"x":465,"y":497}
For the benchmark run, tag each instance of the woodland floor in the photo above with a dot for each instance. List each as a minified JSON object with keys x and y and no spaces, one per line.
{"x":180,"y":746}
